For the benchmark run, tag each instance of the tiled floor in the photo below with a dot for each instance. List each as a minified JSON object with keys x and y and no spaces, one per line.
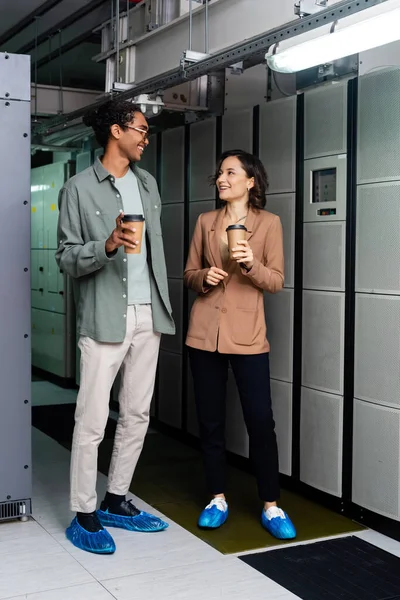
{"x":38,"y":563}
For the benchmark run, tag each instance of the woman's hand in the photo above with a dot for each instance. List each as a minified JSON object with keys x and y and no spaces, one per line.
{"x":215,"y":276}
{"x":242,"y":253}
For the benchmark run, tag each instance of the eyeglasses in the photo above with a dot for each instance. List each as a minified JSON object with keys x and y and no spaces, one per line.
{"x":144,"y":132}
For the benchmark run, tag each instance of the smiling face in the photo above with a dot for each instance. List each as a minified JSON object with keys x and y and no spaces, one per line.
{"x":133,"y":138}
{"x":233,"y":182}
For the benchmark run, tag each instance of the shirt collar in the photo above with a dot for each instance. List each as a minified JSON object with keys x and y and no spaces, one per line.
{"x":103,"y":174}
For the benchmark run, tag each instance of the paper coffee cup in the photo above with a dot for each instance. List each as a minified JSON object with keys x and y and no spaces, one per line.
{"x":135,"y":222}
{"x":235,"y":233}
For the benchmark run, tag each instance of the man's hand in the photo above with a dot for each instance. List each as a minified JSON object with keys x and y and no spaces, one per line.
{"x":118,"y":238}
{"x":215,"y":276}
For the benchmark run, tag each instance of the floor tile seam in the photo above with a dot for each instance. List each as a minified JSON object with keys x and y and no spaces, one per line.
{"x":66,"y":550}
{"x":67,"y":587}
{"x":169,"y":569}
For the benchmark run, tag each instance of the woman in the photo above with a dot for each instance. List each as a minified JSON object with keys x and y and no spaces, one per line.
{"x":227,"y":325}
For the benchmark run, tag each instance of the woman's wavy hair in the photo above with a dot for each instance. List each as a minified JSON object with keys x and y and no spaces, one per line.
{"x":254,"y":169}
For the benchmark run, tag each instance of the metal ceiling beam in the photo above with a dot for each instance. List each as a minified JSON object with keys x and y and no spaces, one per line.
{"x":244,"y":51}
{"x":62,"y":16}
{"x":71,"y":36}
{"x":52,"y":100}
{"x":65,"y":47}
{"x":28,"y":20}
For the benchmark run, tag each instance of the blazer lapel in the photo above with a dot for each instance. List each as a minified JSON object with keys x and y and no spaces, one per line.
{"x":250,"y":223}
{"x":214,"y":239}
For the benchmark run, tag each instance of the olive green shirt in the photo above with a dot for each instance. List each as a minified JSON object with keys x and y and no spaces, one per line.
{"x":89,"y":204}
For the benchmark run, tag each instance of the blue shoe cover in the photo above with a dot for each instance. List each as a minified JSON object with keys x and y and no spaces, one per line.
{"x":278,"y":524}
{"x":143,"y":522}
{"x":214,"y":515}
{"x":99,"y":542}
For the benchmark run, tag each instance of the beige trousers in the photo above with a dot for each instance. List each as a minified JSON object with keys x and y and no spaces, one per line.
{"x":137,"y":358}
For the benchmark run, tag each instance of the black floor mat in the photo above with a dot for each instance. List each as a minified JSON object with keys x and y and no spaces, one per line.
{"x":342,"y":569}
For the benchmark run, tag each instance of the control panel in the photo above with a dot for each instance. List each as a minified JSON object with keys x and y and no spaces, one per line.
{"x":325,"y":188}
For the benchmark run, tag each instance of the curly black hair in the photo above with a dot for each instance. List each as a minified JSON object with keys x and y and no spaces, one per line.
{"x":114,"y":112}
{"x":254,"y":168}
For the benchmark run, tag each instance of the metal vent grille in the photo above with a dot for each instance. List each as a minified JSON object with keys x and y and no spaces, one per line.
{"x":279,"y":313}
{"x":237,"y":130}
{"x":15,"y":510}
{"x":284,"y":205}
{"x":324,"y":256}
{"x":379,"y":127}
{"x":378,"y":238}
{"x":321,"y":441}
{"x":278,"y":144}
{"x":376,"y":439}
{"x":323,"y":341}
{"x":325,"y":111}
{"x":377,"y":349}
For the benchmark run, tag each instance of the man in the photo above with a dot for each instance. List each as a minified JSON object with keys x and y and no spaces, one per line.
{"x":123,"y":308}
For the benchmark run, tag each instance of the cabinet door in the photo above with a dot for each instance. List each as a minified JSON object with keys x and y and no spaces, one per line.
{"x":54,"y":179}
{"x":55,"y":285}
{"x":48,"y":342}
{"x":38,"y":318}
{"x":55,"y":350}
{"x":37,"y":188}
{"x":38,"y":275}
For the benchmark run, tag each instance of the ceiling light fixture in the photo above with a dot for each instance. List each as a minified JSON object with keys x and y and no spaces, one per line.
{"x":379,"y":25}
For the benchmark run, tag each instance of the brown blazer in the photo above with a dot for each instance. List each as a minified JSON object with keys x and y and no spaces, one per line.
{"x":230,"y":317}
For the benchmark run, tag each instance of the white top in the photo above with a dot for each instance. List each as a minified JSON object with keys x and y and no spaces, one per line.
{"x":138,"y":269}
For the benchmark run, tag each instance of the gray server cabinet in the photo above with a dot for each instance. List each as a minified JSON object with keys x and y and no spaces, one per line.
{"x":278,"y":121}
{"x":172,"y":168}
{"x":15,"y":319}
{"x":325,"y":167}
{"x":376,"y":427}
{"x":53,"y":311}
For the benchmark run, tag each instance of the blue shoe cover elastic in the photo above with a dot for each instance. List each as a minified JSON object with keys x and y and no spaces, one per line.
{"x":214,"y":515}
{"x":143,"y":522}
{"x":278,"y":524}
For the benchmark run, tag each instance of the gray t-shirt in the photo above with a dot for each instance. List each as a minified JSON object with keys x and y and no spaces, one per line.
{"x":138,"y":269}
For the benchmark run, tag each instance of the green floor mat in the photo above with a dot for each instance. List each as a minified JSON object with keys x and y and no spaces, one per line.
{"x":170,"y":477}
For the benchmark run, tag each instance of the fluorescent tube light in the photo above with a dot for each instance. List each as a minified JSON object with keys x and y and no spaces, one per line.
{"x":379,"y":26}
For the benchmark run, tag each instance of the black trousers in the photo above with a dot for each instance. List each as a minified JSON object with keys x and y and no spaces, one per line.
{"x":210,"y":376}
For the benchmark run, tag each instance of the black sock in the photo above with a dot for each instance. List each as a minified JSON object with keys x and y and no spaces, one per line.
{"x":113,"y":500}
{"x":89,"y":521}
